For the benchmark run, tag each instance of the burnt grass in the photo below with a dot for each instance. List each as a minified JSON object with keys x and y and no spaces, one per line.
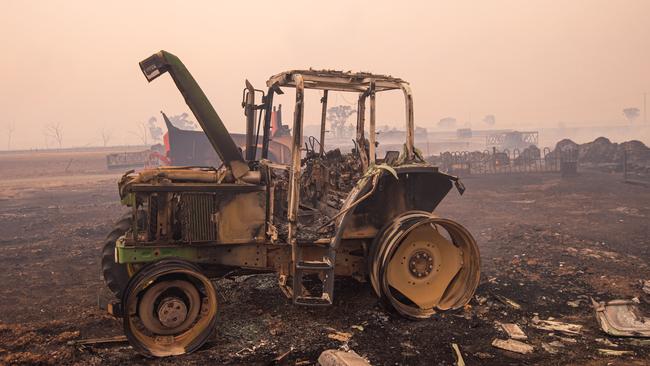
{"x":545,"y":241}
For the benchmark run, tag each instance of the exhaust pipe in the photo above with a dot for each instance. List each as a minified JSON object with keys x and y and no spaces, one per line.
{"x":212,"y":125}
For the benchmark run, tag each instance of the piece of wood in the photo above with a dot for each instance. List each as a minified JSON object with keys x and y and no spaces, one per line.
{"x":513,"y":346}
{"x":92,"y":341}
{"x":514,"y":331}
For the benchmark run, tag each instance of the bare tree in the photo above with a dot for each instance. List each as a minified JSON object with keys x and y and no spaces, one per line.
{"x":142,"y":133}
{"x":631,"y":113}
{"x":55,"y":131}
{"x":489,"y":120}
{"x":106,"y":136}
{"x":11,"y":127}
{"x":338,"y":117}
{"x":155,"y":131}
{"x":183,"y":122}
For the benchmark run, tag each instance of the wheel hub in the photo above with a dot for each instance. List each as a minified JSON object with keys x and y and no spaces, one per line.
{"x":172,"y":312}
{"x":164,"y":311}
{"x":420,"y":264}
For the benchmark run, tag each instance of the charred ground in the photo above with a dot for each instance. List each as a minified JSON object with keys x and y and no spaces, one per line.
{"x":545,"y":241}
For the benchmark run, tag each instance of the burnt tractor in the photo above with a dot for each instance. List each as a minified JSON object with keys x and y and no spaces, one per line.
{"x":325,"y":214}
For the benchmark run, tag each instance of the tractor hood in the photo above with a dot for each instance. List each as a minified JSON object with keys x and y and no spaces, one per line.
{"x":215,"y":130}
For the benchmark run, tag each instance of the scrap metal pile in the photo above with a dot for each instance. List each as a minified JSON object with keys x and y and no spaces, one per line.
{"x":327,"y":179}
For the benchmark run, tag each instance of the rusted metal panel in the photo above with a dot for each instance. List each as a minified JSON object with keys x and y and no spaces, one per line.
{"x":622,"y":318}
{"x":241,"y":218}
{"x":244,"y":255}
{"x":418,"y":188}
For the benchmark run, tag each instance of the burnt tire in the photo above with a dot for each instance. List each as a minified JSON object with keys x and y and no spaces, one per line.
{"x":115,"y":275}
{"x":169,"y":280}
{"x":421,"y":264}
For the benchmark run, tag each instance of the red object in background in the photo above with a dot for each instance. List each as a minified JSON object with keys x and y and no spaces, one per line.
{"x":156,"y":159}
{"x":166,"y":142}
{"x":274,"y":122}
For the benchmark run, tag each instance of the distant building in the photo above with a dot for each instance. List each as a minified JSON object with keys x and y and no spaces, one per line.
{"x":512,"y":139}
{"x":464,"y":133}
{"x":447,"y":123}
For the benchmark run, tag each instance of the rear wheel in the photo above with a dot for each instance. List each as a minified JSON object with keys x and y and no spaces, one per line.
{"x":116,"y":275}
{"x":421,"y":264}
{"x":170,"y":308}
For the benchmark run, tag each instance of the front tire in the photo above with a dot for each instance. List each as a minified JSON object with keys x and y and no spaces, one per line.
{"x":116,"y":275}
{"x":170,"y":308}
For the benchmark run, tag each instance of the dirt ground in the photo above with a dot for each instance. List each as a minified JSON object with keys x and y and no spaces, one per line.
{"x":545,"y":241}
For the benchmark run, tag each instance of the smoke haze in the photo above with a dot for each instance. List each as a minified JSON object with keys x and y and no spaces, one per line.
{"x":530,"y":64}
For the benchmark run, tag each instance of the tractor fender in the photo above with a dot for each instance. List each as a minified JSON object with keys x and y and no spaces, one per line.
{"x":417,"y":187}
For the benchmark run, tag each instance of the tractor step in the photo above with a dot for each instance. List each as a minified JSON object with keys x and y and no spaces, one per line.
{"x":324,"y":300}
{"x":321,"y":294}
{"x":323,"y":242}
{"x":314,"y":265}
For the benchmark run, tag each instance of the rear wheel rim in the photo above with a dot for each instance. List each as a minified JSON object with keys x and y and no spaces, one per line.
{"x":422,"y":264}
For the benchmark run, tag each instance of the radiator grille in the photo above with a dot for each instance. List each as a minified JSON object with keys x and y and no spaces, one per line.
{"x":196,"y":212}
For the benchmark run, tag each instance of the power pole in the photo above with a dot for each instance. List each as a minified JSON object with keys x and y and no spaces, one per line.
{"x":645,"y":109}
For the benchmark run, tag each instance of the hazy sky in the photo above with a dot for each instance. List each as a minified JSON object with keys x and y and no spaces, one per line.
{"x":529,"y":63}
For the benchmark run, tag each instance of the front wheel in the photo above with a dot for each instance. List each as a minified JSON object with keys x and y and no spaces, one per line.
{"x":170,"y":308}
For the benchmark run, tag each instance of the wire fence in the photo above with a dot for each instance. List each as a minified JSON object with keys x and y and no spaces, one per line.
{"x":494,"y":161}
{"x":633,"y":172}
